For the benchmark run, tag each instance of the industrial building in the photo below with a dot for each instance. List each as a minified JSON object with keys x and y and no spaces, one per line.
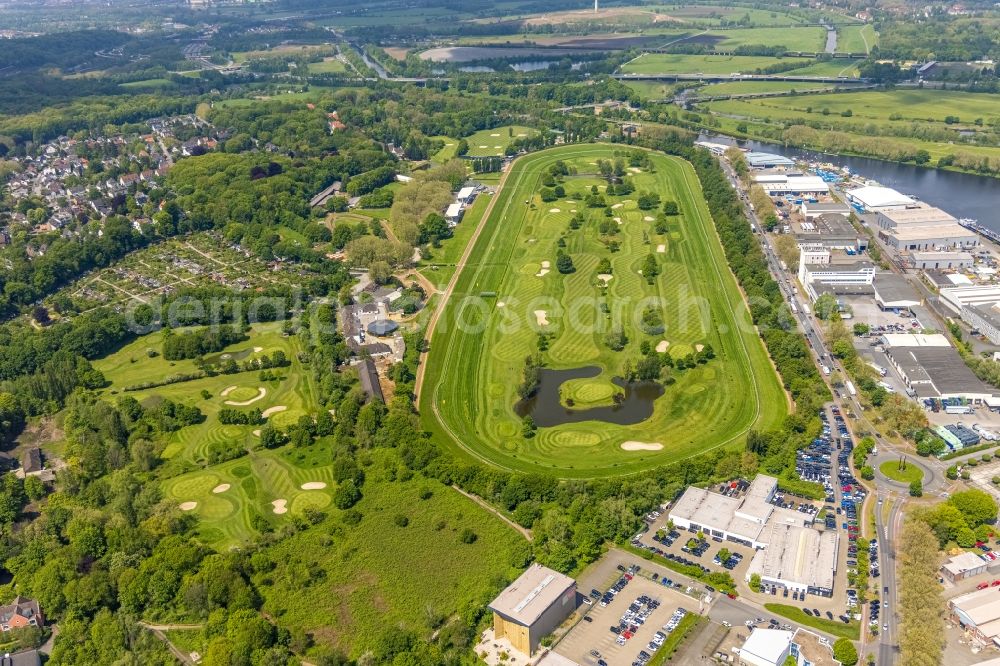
{"x":979,"y":614}
{"x":767,"y":160}
{"x":740,"y":520}
{"x":791,"y":182}
{"x":925,"y":260}
{"x":958,"y":298}
{"x":831,"y":230}
{"x":921,"y":228}
{"x":875,"y":199}
{"x":931,"y":367}
{"x":773,"y":647}
{"x":957,"y":436}
{"x":893,"y":292}
{"x":962,"y":566}
{"x":532,"y":607}
{"x":797,"y":558}
{"x":985,"y":318}
{"x":895,"y":218}
{"x":821,"y":270}
{"x":810,"y":211}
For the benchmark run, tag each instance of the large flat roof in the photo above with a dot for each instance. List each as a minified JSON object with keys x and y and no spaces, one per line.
{"x":765,"y":646}
{"x":766,"y":159}
{"x":950,"y":375}
{"x":798,"y":554}
{"x":915,"y":340}
{"x":531,"y":594}
{"x":918,"y":215}
{"x":981,"y":606}
{"x":931,"y":230}
{"x":876,"y":197}
{"x":895,"y":291}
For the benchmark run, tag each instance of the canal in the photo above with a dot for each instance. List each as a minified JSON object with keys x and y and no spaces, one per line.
{"x":961,"y":194}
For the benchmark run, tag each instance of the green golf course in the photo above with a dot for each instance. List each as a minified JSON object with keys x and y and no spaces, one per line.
{"x":510,"y":291}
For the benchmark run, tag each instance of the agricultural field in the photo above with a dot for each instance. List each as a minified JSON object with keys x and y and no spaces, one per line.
{"x":380,"y":574}
{"x":285,"y":50}
{"x":931,"y":106}
{"x":856,"y":38}
{"x":474,"y":369}
{"x":672,"y":63}
{"x":714,"y":14}
{"x":806,"y":38}
{"x":838,"y":67}
{"x":755,"y":87}
{"x":329,"y":65}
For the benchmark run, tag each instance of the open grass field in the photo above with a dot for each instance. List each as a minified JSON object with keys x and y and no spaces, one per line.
{"x":856,"y":38}
{"x":469,"y":391}
{"x":350,"y":589}
{"x":673,"y":63}
{"x":327,"y":66}
{"x":806,"y":38}
{"x":485,"y":143}
{"x":447,"y":151}
{"x":709,"y":14}
{"x":877,"y":105}
{"x":652,"y":89}
{"x":753,"y":87}
{"x":149,"y":84}
{"x":909,"y":475}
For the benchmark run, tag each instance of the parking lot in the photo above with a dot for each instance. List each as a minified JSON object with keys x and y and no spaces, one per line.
{"x":634,"y":601}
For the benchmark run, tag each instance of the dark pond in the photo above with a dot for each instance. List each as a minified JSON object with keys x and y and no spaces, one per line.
{"x":547,"y":411}
{"x":214,"y":359}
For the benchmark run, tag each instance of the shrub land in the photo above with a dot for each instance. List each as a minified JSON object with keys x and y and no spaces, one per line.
{"x":563,"y":281}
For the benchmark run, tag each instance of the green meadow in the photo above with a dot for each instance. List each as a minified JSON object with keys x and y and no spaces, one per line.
{"x":675,"y":63}
{"x":488,"y":142}
{"x":473,"y":371}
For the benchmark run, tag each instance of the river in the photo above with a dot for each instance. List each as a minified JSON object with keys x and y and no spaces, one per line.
{"x":961,"y":194}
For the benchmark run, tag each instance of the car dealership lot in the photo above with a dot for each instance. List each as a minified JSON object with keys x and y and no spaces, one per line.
{"x":596,"y":635}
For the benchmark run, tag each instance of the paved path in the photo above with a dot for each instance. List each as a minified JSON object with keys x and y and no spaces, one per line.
{"x":525,"y":532}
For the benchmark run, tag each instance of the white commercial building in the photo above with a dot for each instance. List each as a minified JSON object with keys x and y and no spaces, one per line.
{"x":939,"y":260}
{"x":875,"y":199}
{"x":931,"y":367}
{"x":957,"y":298}
{"x":773,"y":647}
{"x":454,"y":213}
{"x":791,"y":183}
{"x":818,"y":272}
{"x":811,"y":211}
{"x":466,"y":195}
{"x":797,"y":558}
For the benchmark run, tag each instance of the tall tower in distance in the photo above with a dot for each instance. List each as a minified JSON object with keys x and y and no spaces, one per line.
{"x":595,"y":6}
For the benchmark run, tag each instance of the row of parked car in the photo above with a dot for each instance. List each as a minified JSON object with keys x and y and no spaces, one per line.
{"x":731,"y":563}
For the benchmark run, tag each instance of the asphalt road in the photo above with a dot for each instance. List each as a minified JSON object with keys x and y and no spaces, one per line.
{"x":887,"y":646}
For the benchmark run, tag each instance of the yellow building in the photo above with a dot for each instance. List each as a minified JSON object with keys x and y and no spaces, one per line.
{"x":532,"y":607}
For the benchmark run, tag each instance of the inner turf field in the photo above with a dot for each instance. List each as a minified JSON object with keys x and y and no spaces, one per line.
{"x":474,"y":369}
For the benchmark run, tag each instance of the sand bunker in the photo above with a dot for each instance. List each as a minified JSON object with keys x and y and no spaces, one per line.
{"x":635,"y":169}
{"x":221,"y":488}
{"x":617,"y":205}
{"x":554,"y":210}
{"x":618,"y":220}
{"x":546,"y":264}
{"x":313,"y":485}
{"x":227,"y":390}
{"x":484,"y":146}
{"x":541,"y":317}
{"x":281,"y":506}
{"x":188,"y":506}
{"x":500,"y":304}
{"x":256,"y":433}
{"x":606,"y":277}
{"x":273,"y":410}
{"x":661,"y":346}
{"x":699,"y":347}
{"x":495,"y":134}
{"x":542,"y":273}
{"x":661,"y":248}
{"x":261,"y":392}
{"x":648,"y":218}
{"x":572,"y":210}
{"x":522,"y":134}
{"x":570,"y":201}
{"x":637,"y":446}
{"x":257,"y":350}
